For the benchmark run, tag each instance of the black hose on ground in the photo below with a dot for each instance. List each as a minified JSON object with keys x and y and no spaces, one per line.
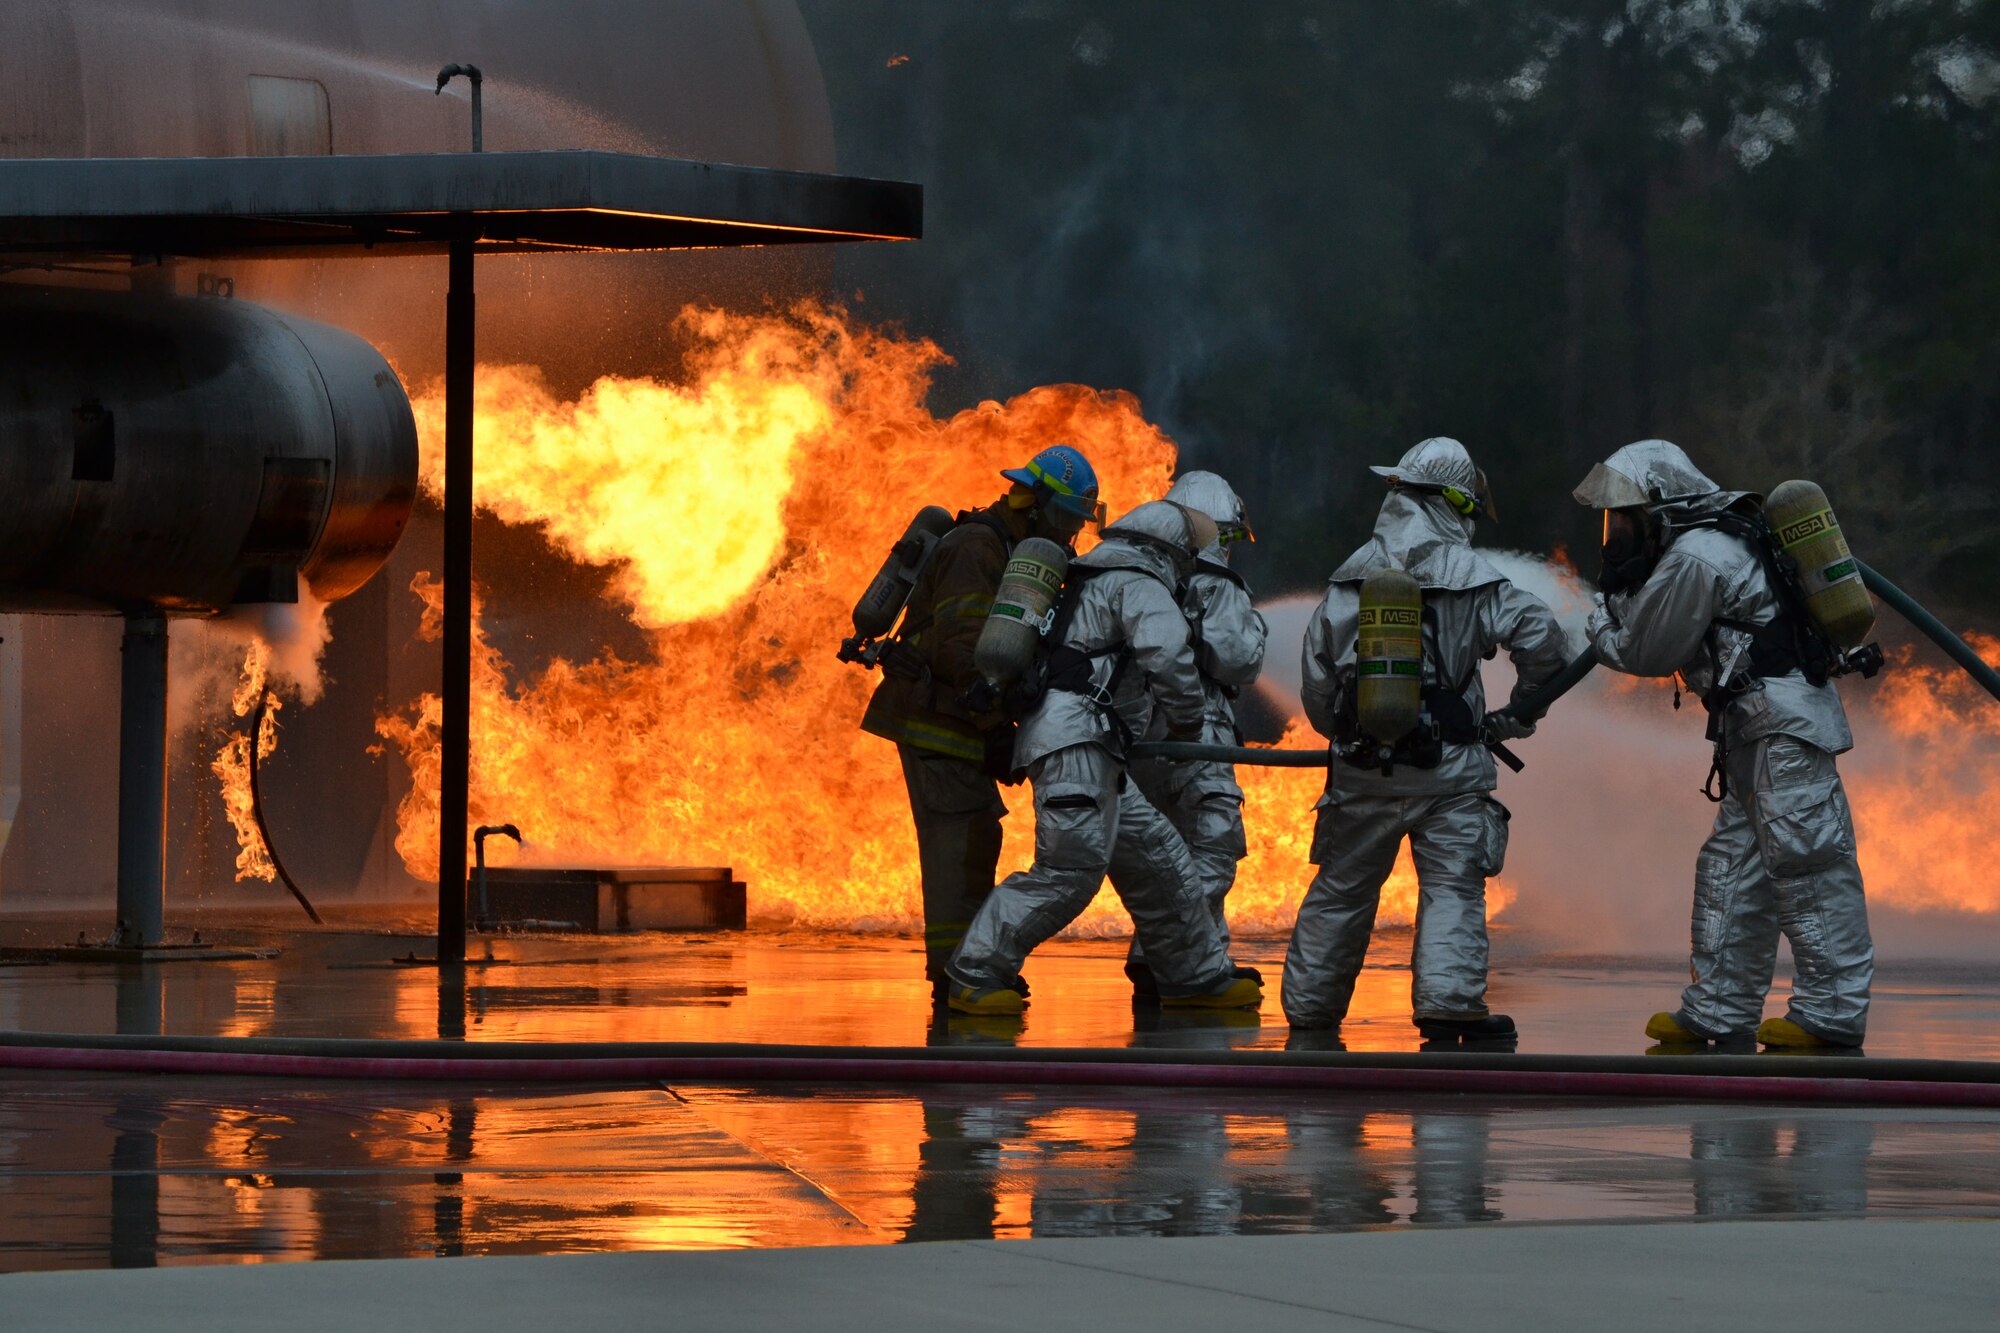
{"x":1957,"y":649}
{"x":257,"y":810}
{"x":1670,"y":1077}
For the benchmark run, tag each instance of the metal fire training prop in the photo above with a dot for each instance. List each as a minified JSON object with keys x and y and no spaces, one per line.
{"x":150,"y":210}
{"x":1758,"y":1078}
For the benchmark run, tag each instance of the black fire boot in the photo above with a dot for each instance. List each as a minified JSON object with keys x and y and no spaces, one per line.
{"x":1493,"y":1027}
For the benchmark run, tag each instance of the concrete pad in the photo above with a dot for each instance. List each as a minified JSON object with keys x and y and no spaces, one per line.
{"x":1763,"y":1275}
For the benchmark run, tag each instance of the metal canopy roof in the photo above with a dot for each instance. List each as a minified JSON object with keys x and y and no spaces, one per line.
{"x":509,"y":203}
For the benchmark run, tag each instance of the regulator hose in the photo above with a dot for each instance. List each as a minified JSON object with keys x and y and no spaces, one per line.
{"x":1747,"y":1078}
{"x":257,"y":810}
{"x":1957,"y":649}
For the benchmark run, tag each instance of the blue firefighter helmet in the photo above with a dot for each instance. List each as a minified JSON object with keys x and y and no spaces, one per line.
{"x":1063,"y":480}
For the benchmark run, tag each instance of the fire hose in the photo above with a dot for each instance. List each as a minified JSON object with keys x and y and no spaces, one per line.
{"x":1957,"y":649}
{"x":1793,"y":1079}
{"x":257,"y":809}
{"x":1531,"y":707}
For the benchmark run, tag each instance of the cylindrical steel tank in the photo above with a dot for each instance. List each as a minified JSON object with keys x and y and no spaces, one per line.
{"x":190,"y":453}
{"x":713,"y":80}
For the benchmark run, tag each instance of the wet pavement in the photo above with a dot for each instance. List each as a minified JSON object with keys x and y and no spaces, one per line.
{"x":822,"y":989}
{"x":135,"y":1171}
{"x":122,"y":1171}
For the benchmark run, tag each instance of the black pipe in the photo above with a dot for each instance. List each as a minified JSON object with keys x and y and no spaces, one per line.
{"x":257,"y":810}
{"x":1957,"y":649}
{"x":454,"y":740}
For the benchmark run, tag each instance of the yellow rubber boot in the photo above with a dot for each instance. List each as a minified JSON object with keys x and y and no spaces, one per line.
{"x":1236,"y":993}
{"x":1783,"y":1032}
{"x":992,"y":1000}
{"x":1666,"y":1029}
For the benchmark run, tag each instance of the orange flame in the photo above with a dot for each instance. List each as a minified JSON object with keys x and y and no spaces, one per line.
{"x":747,"y":506}
{"x":1922,"y":823}
{"x":232,"y":764}
{"x":744,"y":509}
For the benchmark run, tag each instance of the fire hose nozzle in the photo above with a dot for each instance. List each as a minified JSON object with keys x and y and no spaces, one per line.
{"x":484,"y":831}
{"x":450,"y":72}
{"x":472,"y":75}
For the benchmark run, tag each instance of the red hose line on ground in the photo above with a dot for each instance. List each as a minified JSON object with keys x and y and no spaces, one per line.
{"x":890,"y":1068}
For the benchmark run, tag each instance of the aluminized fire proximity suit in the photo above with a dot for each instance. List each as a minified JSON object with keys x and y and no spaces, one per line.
{"x":1089,"y":821}
{"x":1202,"y":798}
{"x":1781,"y":857}
{"x":1457,"y":830}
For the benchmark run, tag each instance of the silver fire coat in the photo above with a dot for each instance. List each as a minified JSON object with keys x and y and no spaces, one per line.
{"x":1781,"y":857}
{"x":1131,"y":604}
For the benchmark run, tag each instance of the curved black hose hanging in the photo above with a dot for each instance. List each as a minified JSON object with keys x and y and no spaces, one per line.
{"x":257,"y":809}
{"x":1957,"y":649}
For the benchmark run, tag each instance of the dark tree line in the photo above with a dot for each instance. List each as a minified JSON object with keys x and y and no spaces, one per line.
{"x":1308,"y":234}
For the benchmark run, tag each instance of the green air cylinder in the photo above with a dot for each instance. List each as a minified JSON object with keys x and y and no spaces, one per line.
{"x":875,"y":614}
{"x":1800,"y":515}
{"x":1024,"y":607}
{"x":1389,"y":655}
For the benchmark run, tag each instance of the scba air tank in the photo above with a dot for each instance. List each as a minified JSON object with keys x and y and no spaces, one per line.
{"x":1802,"y":518}
{"x":889,"y":591}
{"x":1389,"y":655}
{"x":1024,"y":609}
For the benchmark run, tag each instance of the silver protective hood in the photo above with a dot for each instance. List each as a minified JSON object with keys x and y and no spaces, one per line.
{"x":1419,"y":532}
{"x":1209,"y":495}
{"x":1206,"y":493}
{"x":1438,"y":461}
{"x":1156,"y":538}
{"x":1650,"y":472}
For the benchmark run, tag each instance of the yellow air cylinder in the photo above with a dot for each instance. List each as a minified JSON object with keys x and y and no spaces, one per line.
{"x":1389,"y":655}
{"x":1024,"y":608}
{"x":1808,"y":532}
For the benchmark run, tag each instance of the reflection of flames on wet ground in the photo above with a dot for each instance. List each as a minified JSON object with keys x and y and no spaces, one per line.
{"x":744,"y":506}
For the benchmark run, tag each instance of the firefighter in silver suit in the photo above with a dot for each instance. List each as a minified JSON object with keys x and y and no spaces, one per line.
{"x":1444,"y":805}
{"x":1201,"y":798}
{"x":1684,"y":595}
{"x":1121,"y":650}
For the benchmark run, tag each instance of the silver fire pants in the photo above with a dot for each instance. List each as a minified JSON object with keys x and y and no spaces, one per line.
{"x":1780,"y":860}
{"x":1205,"y":806}
{"x":1457,"y":839}
{"x":1090,"y":822}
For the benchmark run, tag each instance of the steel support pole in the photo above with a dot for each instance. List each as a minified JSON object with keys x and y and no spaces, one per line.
{"x":454,"y":773}
{"x":142,"y":781}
